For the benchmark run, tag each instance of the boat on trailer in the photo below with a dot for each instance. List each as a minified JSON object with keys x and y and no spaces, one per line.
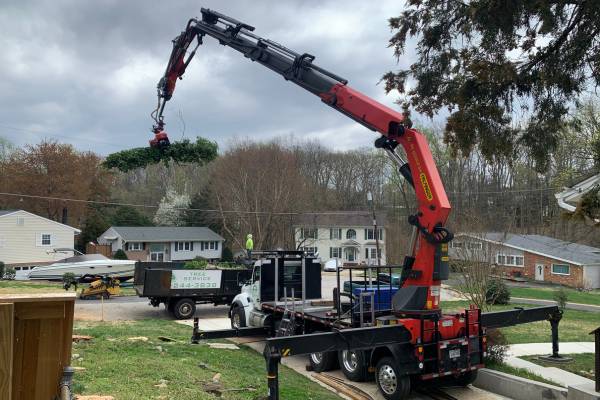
{"x":83,"y":264}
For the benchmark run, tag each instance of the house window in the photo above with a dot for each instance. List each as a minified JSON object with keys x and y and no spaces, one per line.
{"x":369,"y":234}
{"x":184,"y":246}
{"x":335,"y":252}
{"x":371,"y":253}
{"x":475,"y":245}
{"x":457,"y":245}
{"x":308,"y":233}
{"x":212,"y":245}
{"x":350,"y":234}
{"x":335,"y":233}
{"x":519,"y":260}
{"x":46,"y":239}
{"x":134,"y":246}
{"x":510,"y":260}
{"x":20,"y":221}
{"x":311,"y":251}
{"x":561,"y":269}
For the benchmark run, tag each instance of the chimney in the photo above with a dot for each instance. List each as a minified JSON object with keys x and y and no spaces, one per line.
{"x":64,"y":215}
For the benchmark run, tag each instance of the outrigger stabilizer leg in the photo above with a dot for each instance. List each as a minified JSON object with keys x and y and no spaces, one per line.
{"x":272,"y":357}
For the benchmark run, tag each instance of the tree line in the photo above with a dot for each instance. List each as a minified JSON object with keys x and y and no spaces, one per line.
{"x":259,"y":187}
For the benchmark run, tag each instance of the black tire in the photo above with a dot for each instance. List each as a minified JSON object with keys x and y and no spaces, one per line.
{"x":184,"y":309}
{"x":392,"y":384}
{"x":106,"y":295}
{"x":323,"y":362}
{"x":354,"y":365}
{"x":465,"y":379}
{"x":238,"y":317}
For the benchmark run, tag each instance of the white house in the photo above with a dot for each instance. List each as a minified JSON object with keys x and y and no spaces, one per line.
{"x":164,"y":243}
{"x":347,"y":236}
{"x":27,"y":239}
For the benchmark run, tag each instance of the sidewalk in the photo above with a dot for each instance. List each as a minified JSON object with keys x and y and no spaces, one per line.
{"x":568,"y":305}
{"x":554,"y":374}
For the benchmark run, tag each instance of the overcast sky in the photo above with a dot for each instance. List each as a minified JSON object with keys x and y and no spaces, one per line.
{"x":85,"y":72}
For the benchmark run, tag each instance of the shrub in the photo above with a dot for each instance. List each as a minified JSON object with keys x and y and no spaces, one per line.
{"x":2,"y":268}
{"x":69,"y":280}
{"x":195,"y":264}
{"x":561,"y":297}
{"x":497,"y":292}
{"x":9,"y":274}
{"x":120,"y":255}
{"x":227,"y":254}
{"x":497,"y":346}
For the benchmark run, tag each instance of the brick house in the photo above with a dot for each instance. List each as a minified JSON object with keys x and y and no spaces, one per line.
{"x":164,"y":243}
{"x":534,"y":257}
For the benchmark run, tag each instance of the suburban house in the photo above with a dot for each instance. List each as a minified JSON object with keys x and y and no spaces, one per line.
{"x":346,"y":236}
{"x":164,"y":243}
{"x":536,"y":257}
{"x":28,"y":240}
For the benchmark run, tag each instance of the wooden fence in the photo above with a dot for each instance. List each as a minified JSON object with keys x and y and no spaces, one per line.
{"x":35,"y":344}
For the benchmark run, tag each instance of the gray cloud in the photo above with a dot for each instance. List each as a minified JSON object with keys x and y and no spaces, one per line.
{"x":85,"y":72}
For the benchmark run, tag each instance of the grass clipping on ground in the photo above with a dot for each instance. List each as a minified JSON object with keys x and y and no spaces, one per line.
{"x":151,"y":369}
{"x":199,"y":152}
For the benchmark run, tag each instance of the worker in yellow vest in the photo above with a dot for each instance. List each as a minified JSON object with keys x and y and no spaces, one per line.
{"x":249,"y":245}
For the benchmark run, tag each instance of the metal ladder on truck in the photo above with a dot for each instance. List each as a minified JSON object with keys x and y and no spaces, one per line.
{"x":287,"y":326}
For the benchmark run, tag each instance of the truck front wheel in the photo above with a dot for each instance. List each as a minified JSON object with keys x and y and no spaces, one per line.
{"x":392,"y":384}
{"x":238,"y":317}
{"x":184,"y":309}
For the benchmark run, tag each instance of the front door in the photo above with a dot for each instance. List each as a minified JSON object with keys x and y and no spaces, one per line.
{"x":539,"y":272}
{"x":350,"y":254}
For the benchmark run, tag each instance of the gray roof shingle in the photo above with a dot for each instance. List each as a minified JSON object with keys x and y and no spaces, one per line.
{"x":574,"y":252}
{"x":166,"y":233}
{"x":5,"y":212}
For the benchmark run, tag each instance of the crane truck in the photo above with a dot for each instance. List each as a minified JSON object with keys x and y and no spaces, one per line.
{"x":410,"y":340}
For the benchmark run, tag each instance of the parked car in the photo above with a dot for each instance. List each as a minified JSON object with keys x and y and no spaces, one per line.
{"x":332,"y":265}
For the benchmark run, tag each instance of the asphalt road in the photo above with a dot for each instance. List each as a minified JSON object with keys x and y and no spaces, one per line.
{"x":134,"y":308}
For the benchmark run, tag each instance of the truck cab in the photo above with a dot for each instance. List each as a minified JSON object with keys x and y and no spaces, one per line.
{"x":277,"y":277}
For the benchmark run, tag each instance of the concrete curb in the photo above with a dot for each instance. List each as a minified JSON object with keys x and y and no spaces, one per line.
{"x":517,"y":388}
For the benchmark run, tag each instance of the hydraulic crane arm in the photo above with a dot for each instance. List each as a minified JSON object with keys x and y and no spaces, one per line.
{"x":426,"y":264}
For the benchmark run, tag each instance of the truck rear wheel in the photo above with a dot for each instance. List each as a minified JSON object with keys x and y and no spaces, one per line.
{"x":323,"y":362}
{"x":392,"y":384}
{"x":353,"y":364}
{"x":184,"y":309}
{"x":238,"y":317}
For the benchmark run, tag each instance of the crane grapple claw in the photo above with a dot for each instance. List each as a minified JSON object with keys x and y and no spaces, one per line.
{"x":161,"y":140}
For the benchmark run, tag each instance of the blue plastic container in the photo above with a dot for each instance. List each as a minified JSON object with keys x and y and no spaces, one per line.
{"x":382,"y":297}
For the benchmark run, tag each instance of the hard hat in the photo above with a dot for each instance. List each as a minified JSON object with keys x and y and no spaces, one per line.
{"x":249,"y":235}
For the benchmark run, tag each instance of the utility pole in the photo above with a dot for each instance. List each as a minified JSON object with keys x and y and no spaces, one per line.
{"x":375,"y":231}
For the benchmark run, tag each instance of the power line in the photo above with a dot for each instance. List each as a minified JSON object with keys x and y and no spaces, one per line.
{"x":113,"y":203}
{"x":506,"y":191}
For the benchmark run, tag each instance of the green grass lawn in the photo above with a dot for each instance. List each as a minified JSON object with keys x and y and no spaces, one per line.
{"x":574,"y":296}
{"x":574,"y":327}
{"x":522,"y":372}
{"x":130,"y":370}
{"x":9,"y":287}
{"x":582,"y":364}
